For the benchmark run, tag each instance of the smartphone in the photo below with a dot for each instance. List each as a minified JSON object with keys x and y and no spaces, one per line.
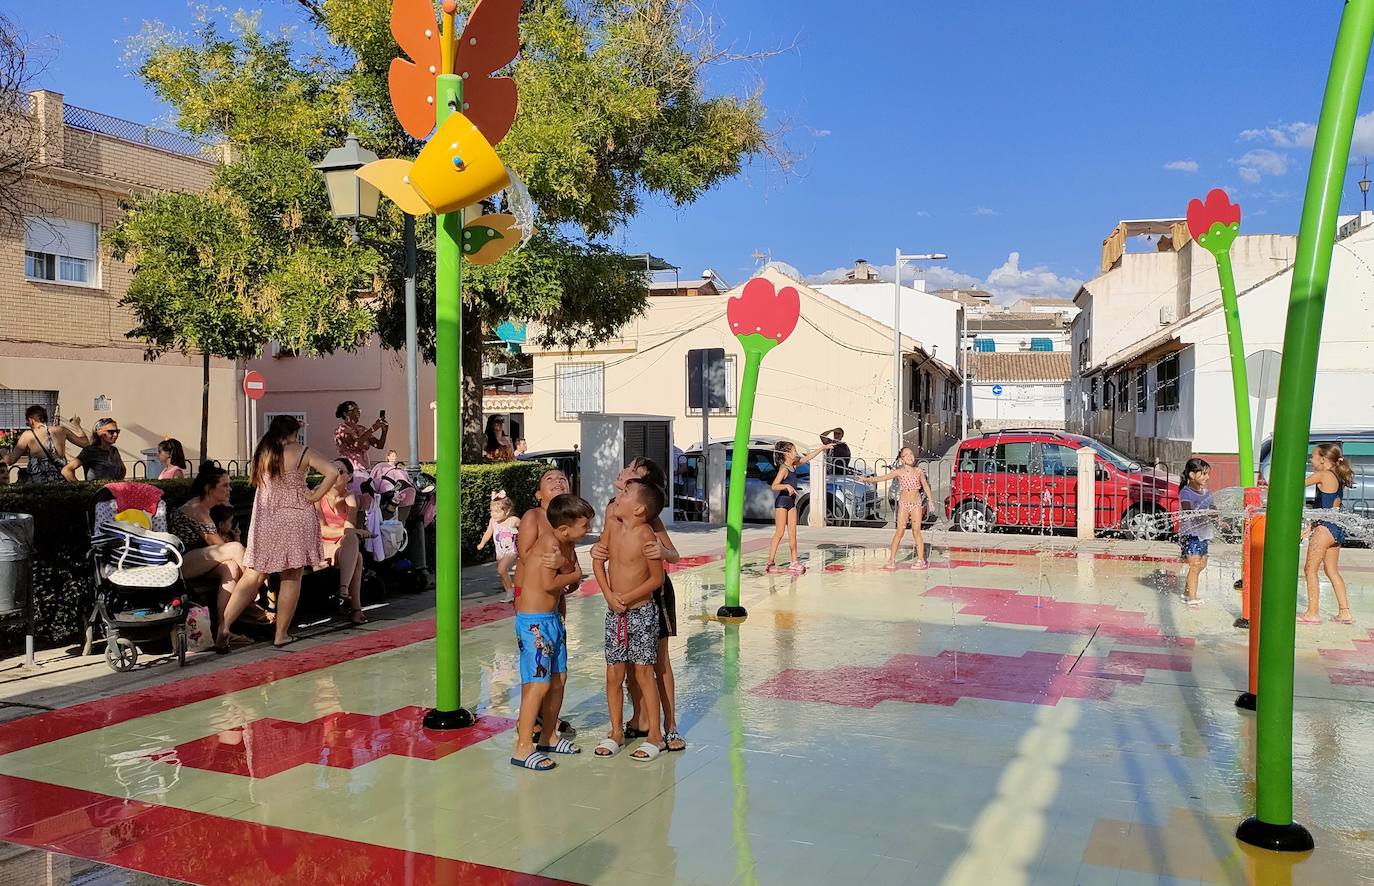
{"x":382,"y":415}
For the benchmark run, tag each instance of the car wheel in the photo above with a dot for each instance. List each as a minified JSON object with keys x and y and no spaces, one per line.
{"x":803,"y":511}
{"x":973,"y":516}
{"x":1143,"y":524}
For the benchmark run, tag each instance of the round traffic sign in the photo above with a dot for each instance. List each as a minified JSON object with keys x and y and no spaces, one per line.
{"x":996,"y":390}
{"x":254,"y":385}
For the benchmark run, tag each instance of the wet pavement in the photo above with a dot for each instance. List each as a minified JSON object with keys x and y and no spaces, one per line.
{"x":1011,"y":715}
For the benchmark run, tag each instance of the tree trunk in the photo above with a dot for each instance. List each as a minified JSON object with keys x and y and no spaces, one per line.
{"x":472,"y":386}
{"x":205,"y":409}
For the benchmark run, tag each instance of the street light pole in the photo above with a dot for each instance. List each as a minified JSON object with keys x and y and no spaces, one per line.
{"x":901,"y":260}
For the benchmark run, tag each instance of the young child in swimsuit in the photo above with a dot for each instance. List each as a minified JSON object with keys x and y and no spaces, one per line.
{"x":1331,"y":474}
{"x":539,"y":633}
{"x":632,"y":622}
{"x":533,"y":525}
{"x":785,"y":502}
{"x":1194,"y":533}
{"x":912,"y":484}
{"x":502,"y":530}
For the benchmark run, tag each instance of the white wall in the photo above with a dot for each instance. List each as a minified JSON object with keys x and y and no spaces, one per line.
{"x":1024,"y":404}
{"x":1010,"y":342}
{"x":929,"y":319}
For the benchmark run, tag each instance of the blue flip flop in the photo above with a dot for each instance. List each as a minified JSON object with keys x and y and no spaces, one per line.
{"x":534,"y":761}
{"x":563,"y":747}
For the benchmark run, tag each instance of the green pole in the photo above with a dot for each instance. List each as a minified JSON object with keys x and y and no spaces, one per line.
{"x":448,"y":293}
{"x":1273,"y":827}
{"x":755,"y":346}
{"x":1240,"y":382}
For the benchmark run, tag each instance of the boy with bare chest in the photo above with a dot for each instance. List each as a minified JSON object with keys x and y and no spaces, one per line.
{"x":628,"y":580}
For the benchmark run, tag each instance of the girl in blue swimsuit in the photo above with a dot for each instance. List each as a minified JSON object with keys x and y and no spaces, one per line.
{"x":1331,"y":474}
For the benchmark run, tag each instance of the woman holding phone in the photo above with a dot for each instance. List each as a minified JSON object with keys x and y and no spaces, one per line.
{"x":353,"y":439}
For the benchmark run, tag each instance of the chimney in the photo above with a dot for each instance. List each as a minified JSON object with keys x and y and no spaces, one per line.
{"x":47,"y":111}
{"x":862,"y":271}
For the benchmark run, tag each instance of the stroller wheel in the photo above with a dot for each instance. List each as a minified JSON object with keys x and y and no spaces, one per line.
{"x":179,"y":645}
{"x":121,"y":654}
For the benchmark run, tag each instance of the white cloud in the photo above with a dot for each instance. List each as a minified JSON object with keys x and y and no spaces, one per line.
{"x":1284,"y":135}
{"x":819,"y":133}
{"x":983,"y":210}
{"x":1260,"y":162}
{"x":1007,"y":283}
{"x":1182,"y":165}
{"x":921,"y":213}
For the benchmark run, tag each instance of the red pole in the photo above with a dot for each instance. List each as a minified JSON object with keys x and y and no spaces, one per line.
{"x":1252,"y":504}
{"x":1254,"y":558}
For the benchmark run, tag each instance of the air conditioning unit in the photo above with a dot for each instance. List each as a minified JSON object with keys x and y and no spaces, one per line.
{"x":279,"y":350}
{"x":1167,"y":315}
{"x":1025,"y":344}
{"x":492,"y":370}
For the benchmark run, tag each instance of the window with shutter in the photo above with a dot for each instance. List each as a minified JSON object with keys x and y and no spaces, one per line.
{"x":61,"y":251}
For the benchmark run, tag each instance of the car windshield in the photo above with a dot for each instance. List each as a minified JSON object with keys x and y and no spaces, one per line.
{"x":1120,"y":460}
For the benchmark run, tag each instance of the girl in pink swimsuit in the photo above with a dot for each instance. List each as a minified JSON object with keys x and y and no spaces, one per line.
{"x":911,"y":483}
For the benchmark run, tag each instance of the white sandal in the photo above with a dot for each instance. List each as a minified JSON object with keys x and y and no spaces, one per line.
{"x":651,"y":752}
{"x":610,"y":745}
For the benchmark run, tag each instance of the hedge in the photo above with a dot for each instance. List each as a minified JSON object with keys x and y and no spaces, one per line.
{"x":63,"y":587}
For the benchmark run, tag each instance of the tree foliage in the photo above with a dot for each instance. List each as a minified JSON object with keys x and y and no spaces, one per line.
{"x":19,"y":135}
{"x":613,"y":110}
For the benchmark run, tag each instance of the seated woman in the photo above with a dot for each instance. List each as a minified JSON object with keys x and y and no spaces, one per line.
{"x":338,"y":511}
{"x":206,"y":550}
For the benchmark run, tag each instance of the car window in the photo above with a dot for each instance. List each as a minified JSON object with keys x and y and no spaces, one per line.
{"x":761,"y":465}
{"x":1012,"y":458}
{"x":970,"y":456}
{"x":1060,"y":461}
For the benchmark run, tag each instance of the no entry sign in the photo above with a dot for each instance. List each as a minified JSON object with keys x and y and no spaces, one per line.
{"x":254,"y":385}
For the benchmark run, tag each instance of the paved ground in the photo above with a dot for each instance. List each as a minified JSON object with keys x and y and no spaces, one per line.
{"x":1022,"y":712}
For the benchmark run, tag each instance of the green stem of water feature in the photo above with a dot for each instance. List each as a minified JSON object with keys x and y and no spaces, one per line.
{"x":1240,"y":382}
{"x":734,"y":509}
{"x":448,"y":713}
{"x":1273,"y":824}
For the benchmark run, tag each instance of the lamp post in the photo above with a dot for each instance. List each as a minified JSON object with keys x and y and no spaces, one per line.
{"x":901,"y":262}
{"x":352,"y":198}
{"x":1364,"y":186}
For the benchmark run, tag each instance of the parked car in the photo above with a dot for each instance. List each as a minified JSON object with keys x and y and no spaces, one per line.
{"x":1357,"y":446}
{"x":1029,"y":479}
{"x":569,"y":461}
{"x":847,"y":499}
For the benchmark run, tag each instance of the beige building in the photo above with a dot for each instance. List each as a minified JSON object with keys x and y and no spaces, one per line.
{"x":62,"y":331}
{"x":835,"y":370}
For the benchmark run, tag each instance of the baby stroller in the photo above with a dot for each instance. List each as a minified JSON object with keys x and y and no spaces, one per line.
{"x":390,"y":550}
{"x":140,"y":597}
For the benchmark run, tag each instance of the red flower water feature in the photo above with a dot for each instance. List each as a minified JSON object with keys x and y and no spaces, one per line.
{"x":1217,"y":210}
{"x":761,"y":310}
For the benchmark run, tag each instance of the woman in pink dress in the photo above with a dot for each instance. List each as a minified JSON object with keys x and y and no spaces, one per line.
{"x":284,"y":535}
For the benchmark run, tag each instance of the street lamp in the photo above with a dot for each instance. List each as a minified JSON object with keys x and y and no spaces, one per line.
{"x":352,"y":198}
{"x":901,"y":262}
{"x":349,"y":196}
{"x":1364,"y":186}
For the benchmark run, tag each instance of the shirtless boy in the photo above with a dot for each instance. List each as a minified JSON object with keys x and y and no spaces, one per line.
{"x":632,"y":622}
{"x":539,"y":632}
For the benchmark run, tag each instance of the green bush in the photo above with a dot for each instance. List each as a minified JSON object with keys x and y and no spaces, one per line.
{"x":63,"y":586}
{"x":518,"y":478}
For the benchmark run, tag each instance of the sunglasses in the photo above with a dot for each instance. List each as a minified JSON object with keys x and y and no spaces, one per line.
{"x":113,"y":432}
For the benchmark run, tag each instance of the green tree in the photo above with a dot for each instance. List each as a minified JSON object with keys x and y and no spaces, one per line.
{"x":209,"y":277}
{"x":613,"y":110}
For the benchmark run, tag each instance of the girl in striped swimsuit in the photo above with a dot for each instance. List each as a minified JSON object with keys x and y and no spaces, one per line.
{"x":912,"y":484}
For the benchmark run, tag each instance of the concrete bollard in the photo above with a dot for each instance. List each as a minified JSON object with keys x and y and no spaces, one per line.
{"x":815,"y":517}
{"x":1087,"y":493}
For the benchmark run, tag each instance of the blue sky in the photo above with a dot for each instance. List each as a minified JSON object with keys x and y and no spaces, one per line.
{"x":1011,"y":139}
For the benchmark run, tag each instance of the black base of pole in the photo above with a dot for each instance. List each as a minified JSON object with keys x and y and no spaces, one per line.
{"x":459,"y":719}
{"x":1276,"y":837}
{"x":735,"y":612}
{"x":1246,"y":701}
{"x":1241,"y":623}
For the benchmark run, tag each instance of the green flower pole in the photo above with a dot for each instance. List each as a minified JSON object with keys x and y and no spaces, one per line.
{"x":761,"y":318}
{"x":744,"y":851}
{"x":1272,"y":827}
{"x":1214,"y":225}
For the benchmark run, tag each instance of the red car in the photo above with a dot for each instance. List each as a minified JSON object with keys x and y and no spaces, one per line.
{"x":1029,"y":479}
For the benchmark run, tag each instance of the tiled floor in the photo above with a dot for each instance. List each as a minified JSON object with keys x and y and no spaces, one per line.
{"x":1006,"y":717}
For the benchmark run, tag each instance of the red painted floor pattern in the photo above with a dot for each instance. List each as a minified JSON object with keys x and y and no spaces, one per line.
{"x":1006,"y":606}
{"x":341,"y":740}
{"x":1032,"y":678}
{"x":217,"y":851}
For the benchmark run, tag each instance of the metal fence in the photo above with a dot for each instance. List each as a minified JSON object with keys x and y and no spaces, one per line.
{"x":236,"y":468}
{"x":94,"y":121}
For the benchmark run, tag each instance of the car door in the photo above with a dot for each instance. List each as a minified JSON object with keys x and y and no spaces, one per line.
{"x":1005,"y":478}
{"x":1059,"y":486}
{"x":758,"y":485}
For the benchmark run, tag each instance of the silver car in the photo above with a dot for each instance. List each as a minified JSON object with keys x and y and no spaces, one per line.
{"x":1358,"y":447}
